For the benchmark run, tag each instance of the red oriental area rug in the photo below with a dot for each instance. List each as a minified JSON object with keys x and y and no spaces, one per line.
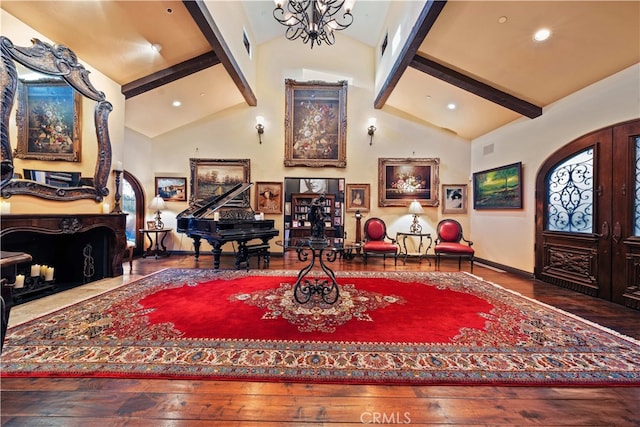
{"x":385,"y":328}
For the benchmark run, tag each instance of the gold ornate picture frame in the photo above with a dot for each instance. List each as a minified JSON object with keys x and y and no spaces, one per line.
{"x":315,"y":124}
{"x":215,"y":176}
{"x":358,"y":197}
{"x":401,"y":181}
{"x":48,"y":119}
{"x":269,"y":197}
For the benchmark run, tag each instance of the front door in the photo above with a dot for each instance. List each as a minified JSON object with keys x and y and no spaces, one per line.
{"x":587,"y":215}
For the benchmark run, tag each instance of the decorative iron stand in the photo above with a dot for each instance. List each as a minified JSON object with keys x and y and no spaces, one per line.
{"x":304,"y":288}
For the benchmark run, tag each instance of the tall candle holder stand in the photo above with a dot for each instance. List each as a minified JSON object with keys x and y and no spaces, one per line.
{"x":116,"y":207}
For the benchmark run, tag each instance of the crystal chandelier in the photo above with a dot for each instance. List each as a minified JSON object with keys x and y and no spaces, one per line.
{"x":313,"y":20}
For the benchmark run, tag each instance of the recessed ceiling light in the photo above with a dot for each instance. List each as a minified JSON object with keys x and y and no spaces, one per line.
{"x":542,"y":34}
{"x":156,"y":46}
{"x":176,"y":103}
{"x":502,"y":19}
{"x":451,"y":106}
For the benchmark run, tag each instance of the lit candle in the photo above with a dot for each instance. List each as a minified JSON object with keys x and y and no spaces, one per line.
{"x":35,"y":270}
{"x":43,"y":270}
{"x":5,"y":208}
{"x":48,"y":276}
{"x":119,"y":166}
{"x":19,"y":281}
{"x":106,"y":207}
{"x":216,"y":216}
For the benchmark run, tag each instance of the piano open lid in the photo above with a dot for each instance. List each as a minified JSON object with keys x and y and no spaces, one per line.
{"x":236,"y":200}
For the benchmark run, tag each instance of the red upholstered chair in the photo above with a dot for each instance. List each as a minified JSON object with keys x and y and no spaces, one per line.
{"x":448,"y":242}
{"x":377,"y":242}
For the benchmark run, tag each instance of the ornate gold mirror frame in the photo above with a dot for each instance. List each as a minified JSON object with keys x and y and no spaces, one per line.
{"x":60,"y":61}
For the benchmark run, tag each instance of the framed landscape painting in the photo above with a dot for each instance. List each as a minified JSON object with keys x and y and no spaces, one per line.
{"x":498,"y":188}
{"x":172,"y":189}
{"x":48,"y":120}
{"x":315,"y":124}
{"x":210,"y":177}
{"x":454,"y":198}
{"x":269,"y":197}
{"x":401,"y":181}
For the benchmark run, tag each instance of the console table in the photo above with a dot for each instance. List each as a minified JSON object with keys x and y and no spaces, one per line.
{"x":159,"y":234}
{"x":401,"y":238}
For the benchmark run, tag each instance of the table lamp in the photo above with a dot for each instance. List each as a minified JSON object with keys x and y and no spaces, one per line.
{"x":157,"y":204}
{"x":415,"y":208}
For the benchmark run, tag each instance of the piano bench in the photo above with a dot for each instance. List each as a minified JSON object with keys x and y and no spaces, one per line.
{"x":259,"y":250}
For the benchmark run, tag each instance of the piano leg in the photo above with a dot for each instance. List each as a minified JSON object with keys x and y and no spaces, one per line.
{"x":196,"y":245}
{"x":217,"y":251}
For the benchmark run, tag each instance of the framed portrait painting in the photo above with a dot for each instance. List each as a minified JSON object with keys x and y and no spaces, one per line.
{"x":48,"y":120}
{"x":401,"y":181}
{"x":454,"y":198}
{"x":498,"y":188}
{"x":269,"y":197}
{"x":358,"y":197}
{"x":315,"y":124}
{"x":210,"y":177}
{"x":172,"y":189}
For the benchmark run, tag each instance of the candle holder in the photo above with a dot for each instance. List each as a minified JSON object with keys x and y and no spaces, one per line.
{"x":33,"y":284}
{"x":116,"y":206}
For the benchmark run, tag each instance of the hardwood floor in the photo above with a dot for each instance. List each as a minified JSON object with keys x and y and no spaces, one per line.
{"x":116,"y":402}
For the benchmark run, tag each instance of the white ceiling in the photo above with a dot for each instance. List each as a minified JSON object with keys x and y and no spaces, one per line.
{"x":590,"y":40}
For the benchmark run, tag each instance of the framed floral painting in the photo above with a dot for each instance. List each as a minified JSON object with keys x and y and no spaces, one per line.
{"x":48,"y":120}
{"x":401,"y":181}
{"x":315,"y":124}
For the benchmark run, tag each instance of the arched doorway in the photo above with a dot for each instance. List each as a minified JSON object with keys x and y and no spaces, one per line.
{"x":133,"y":205}
{"x":588,"y":215}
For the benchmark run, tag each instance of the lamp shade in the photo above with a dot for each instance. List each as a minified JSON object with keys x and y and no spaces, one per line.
{"x":415,"y":207}
{"x":157,"y":203}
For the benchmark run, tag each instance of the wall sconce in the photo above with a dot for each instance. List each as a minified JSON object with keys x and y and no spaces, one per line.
{"x":157,"y":204}
{"x":415,"y":208}
{"x":260,"y":127}
{"x":371,"y":129}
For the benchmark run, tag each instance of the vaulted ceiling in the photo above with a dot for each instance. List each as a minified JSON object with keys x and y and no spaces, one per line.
{"x":479,"y":55}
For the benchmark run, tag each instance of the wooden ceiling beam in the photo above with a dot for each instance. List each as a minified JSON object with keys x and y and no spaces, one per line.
{"x":170,"y":74}
{"x":211,"y":32}
{"x":476,"y":87}
{"x":425,"y":21}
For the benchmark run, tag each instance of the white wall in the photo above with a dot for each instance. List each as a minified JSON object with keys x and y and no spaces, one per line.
{"x":508,"y":236}
{"x":232,"y":135}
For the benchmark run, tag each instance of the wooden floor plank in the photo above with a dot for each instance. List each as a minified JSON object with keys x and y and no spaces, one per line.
{"x":138,"y":402}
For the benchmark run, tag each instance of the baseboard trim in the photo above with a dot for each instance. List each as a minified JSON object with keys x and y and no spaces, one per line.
{"x":502,"y":267}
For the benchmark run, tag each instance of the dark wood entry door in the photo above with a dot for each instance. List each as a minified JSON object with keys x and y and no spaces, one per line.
{"x":587,"y":215}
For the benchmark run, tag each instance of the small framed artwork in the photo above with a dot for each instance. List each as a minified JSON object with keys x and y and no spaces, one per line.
{"x":217,"y":176}
{"x":151,"y":225}
{"x":454,"y":198}
{"x":269,"y":197}
{"x":49,"y":118}
{"x":172,"y":189}
{"x":358,"y":197}
{"x":401,"y":181}
{"x":498,"y":188}
{"x":314,"y":185}
{"x":315,"y":131}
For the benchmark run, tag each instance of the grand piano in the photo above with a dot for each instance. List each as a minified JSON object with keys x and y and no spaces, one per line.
{"x":227,"y":217}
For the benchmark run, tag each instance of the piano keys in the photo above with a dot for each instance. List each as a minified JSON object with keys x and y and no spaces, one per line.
{"x":227,"y":217}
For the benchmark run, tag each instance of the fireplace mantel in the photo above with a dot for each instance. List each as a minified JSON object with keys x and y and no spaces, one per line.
{"x":61,"y":236}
